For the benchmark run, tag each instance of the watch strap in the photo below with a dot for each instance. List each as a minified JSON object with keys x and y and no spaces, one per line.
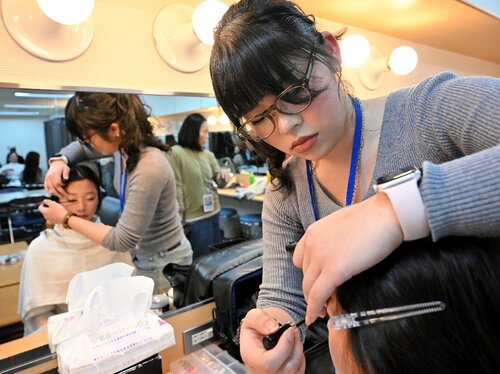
{"x":65,"y":222}
{"x":59,"y":157}
{"x":409,"y":207}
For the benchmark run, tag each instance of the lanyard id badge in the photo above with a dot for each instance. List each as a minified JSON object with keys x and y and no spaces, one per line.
{"x":208,"y":202}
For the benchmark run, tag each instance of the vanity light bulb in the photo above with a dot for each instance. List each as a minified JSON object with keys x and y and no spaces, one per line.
{"x":224,"y":119}
{"x":212,"y":120}
{"x":355,"y":50}
{"x":403,"y":60}
{"x":205,"y":17}
{"x":67,"y":12}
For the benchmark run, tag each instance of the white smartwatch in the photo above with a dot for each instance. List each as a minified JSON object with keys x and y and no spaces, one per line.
{"x":57,"y":157}
{"x":401,"y":187}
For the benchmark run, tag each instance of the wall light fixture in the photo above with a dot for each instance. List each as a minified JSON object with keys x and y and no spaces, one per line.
{"x":184,"y":36}
{"x":55,"y":30}
{"x":401,"y":61}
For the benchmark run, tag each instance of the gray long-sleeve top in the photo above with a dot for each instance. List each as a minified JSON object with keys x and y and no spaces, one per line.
{"x":448,"y":125}
{"x":150,"y":221}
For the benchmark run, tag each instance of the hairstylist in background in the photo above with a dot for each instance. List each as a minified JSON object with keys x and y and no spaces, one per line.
{"x":196,"y":169}
{"x":279,"y":81}
{"x":149,"y":226}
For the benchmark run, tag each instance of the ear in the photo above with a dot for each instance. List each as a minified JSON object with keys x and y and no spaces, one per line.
{"x":115,"y":129}
{"x":332,"y":45}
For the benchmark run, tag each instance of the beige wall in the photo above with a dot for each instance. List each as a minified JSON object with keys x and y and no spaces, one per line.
{"x":431,"y":61}
{"x":123,"y":56}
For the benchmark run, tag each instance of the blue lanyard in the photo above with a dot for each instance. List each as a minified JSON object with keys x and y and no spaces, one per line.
{"x":356,"y":145}
{"x":123,"y":184}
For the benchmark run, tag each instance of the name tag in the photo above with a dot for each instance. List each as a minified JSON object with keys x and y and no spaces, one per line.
{"x":208,"y":202}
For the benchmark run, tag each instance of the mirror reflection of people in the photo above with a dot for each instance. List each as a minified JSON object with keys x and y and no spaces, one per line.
{"x":13,"y":151}
{"x":195,"y":170}
{"x":463,"y":273}
{"x":149,"y":226}
{"x":32,"y":174}
{"x":281,"y":86}
{"x":13,"y":170}
{"x":59,"y":253}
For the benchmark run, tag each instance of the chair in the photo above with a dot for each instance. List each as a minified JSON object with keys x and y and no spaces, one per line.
{"x":23,"y":212}
{"x":110,"y":211}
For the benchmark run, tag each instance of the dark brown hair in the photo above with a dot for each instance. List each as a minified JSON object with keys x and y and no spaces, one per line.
{"x":96,"y":111}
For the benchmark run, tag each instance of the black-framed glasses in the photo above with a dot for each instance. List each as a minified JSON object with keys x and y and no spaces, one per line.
{"x":292,"y":100}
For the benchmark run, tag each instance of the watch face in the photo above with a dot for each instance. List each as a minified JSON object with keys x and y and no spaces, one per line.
{"x":397,"y":174}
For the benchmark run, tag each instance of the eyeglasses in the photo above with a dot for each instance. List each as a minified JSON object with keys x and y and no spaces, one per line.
{"x":85,"y":140}
{"x":292,"y":100}
{"x":369,"y":317}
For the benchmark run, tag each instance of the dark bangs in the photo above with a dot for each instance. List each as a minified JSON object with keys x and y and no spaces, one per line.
{"x":256,"y":53}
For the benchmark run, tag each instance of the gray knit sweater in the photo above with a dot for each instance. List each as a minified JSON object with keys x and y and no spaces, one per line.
{"x":150,"y":221}
{"x":448,"y":125}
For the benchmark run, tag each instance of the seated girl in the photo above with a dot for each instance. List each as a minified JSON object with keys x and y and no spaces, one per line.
{"x":459,"y":336}
{"x":58,"y":254}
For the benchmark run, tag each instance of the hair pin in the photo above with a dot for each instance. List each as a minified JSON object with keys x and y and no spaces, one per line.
{"x":290,"y":247}
{"x":369,"y":317}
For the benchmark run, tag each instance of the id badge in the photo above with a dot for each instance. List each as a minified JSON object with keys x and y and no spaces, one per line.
{"x":208,"y":202}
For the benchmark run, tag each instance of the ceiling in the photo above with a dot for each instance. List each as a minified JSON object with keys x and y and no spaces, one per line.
{"x":451,"y":25}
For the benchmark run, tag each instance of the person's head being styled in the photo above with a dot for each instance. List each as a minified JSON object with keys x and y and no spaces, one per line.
{"x":272,"y":72}
{"x":462,"y":273}
{"x":83,"y":193}
{"x":194,"y":132}
{"x":109,"y":122}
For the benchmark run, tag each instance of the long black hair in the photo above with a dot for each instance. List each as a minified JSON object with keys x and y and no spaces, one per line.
{"x":464,"y":273}
{"x":258,"y":47}
{"x":32,"y":172}
{"x":189,"y":134}
{"x":96,"y":111}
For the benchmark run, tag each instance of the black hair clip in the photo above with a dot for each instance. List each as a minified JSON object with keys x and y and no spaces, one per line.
{"x":290,"y":247}
{"x":270,"y":341}
{"x":82,"y":104}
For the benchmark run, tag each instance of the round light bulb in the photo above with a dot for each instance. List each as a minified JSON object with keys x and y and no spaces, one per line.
{"x":211,"y":120}
{"x":205,"y":17}
{"x":224,"y":119}
{"x":403,"y":60}
{"x":355,"y":50}
{"x":67,"y":12}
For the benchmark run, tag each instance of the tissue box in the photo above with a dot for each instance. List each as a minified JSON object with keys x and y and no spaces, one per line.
{"x":116,"y":348}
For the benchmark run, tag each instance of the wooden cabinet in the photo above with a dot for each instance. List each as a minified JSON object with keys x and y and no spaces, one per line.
{"x":9,"y":285}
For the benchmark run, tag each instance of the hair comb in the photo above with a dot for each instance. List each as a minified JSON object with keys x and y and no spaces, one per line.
{"x":369,"y":317}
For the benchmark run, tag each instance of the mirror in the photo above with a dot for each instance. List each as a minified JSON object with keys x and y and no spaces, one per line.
{"x":26,"y":114}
